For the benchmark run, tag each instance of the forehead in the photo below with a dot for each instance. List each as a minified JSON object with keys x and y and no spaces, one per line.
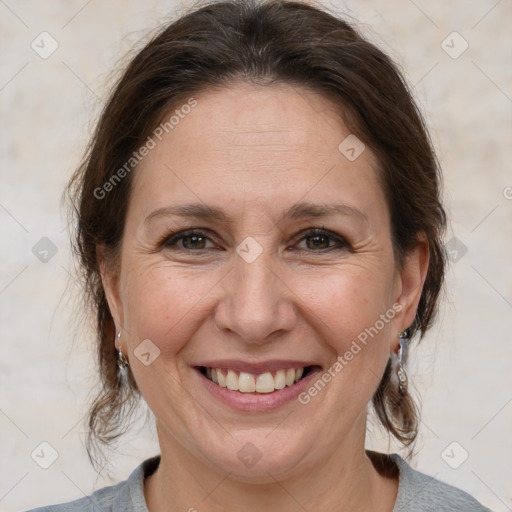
{"x":256,"y":146}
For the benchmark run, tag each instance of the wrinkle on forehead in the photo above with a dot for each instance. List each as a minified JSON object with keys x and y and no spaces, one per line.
{"x":266,"y":146}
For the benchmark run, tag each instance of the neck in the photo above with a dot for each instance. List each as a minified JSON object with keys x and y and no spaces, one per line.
{"x":346,"y":481}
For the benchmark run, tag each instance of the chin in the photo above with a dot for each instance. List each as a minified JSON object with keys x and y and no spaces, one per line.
{"x":260,"y":458}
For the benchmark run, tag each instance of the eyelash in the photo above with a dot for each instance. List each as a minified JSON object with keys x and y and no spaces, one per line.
{"x":171,"y":239}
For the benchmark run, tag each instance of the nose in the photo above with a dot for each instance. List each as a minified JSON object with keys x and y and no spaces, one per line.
{"x":256,"y":304}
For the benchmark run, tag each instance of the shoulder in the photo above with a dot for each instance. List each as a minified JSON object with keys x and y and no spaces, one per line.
{"x":126,"y":496}
{"x":422,"y":493}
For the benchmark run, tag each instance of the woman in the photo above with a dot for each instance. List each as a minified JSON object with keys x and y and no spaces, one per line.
{"x":260,"y":227}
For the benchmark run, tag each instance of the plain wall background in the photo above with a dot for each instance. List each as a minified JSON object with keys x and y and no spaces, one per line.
{"x":462,"y":369}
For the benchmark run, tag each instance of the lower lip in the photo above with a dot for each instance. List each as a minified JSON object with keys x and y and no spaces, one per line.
{"x":258,"y":402}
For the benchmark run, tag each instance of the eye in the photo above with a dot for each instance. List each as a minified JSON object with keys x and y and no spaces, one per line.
{"x":317,"y":240}
{"x":191,"y":240}
{"x":320,"y":240}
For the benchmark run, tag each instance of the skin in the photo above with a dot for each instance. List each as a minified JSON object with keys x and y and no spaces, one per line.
{"x":254,"y":152}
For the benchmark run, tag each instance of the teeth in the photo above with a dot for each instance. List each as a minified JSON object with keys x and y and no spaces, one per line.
{"x":232,"y":380}
{"x":280,"y":379}
{"x":220,"y":378}
{"x":265,"y":383}
{"x":248,"y":383}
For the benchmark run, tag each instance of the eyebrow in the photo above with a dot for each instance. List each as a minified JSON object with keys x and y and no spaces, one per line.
{"x":297,"y":211}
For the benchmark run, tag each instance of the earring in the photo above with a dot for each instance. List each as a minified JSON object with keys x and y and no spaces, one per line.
{"x":402,"y":355}
{"x":122,"y":360}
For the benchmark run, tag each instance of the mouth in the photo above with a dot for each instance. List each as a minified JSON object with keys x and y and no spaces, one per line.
{"x":259,"y":383}
{"x":256,"y":388}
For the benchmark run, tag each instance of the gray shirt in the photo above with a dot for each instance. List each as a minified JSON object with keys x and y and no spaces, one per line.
{"x":416,"y":493}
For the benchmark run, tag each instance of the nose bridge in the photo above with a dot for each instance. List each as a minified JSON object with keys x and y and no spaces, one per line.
{"x":255,"y":303}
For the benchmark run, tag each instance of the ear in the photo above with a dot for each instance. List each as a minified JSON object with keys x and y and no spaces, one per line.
{"x":110,"y":281}
{"x":410,"y":280}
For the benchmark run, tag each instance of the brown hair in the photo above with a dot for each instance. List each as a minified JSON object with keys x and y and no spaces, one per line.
{"x":267,"y":42}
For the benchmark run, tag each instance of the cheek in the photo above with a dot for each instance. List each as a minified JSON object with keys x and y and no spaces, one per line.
{"x":353,"y":315}
{"x":347,"y":301}
{"x":168,"y":304}
{"x":164,"y":304}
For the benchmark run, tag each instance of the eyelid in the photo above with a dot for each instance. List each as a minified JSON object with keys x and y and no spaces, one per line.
{"x":171,"y":239}
{"x":343,"y":243}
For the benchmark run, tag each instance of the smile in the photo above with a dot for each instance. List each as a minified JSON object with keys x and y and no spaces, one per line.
{"x":251,"y":386}
{"x":246,"y":382}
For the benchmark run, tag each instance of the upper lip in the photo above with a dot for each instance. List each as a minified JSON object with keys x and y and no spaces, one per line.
{"x":256,"y":368}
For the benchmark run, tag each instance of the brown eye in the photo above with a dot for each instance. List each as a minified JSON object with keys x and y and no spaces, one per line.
{"x":319,"y":240}
{"x":193,"y":242}
{"x":187,"y":241}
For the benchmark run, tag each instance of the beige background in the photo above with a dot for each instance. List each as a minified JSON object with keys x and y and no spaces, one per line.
{"x":47,"y":105}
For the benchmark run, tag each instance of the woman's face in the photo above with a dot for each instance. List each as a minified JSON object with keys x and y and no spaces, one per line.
{"x":252,"y":290}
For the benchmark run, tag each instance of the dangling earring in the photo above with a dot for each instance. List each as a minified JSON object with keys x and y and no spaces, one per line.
{"x":122,"y":360}
{"x":402,"y":356}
